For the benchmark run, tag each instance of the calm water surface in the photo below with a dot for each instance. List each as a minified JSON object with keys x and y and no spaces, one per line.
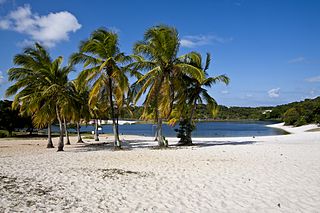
{"x":203,"y":129}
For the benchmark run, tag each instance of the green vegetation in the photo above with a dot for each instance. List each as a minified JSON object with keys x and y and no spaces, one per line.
{"x":298,"y":113}
{"x":103,"y":70}
{"x":42,"y":90}
{"x":174,"y":87}
{"x":10,"y":120}
{"x":157,"y":55}
{"x":190,"y":93}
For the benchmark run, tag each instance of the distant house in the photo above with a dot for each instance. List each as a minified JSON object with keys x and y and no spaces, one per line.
{"x":267,"y":111}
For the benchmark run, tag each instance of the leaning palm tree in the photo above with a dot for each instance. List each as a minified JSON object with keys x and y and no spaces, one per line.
{"x":192,"y":92}
{"x":27,"y":87}
{"x":157,"y":55}
{"x":103,"y":71}
{"x":39,"y":87}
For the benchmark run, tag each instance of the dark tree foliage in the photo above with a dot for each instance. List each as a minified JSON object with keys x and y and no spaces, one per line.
{"x":184,"y":132}
{"x":307,"y":111}
{"x":301,"y":113}
{"x":10,"y":119}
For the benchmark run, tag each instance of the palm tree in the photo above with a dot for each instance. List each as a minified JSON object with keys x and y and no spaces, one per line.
{"x":39,"y":87}
{"x":27,"y":88}
{"x":57,"y":90}
{"x":157,"y":54}
{"x":79,"y":104}
{"x":193,"y":92}
{"x":104,"y":72}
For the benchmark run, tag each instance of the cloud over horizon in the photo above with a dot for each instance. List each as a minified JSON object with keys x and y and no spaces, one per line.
{"x":300,"y":59}
{"x":313,"y":79}
{"x":47,"y":29}
{"x":274,"y":93}
{"x":191,"y":41}
{"x":1,"y":78}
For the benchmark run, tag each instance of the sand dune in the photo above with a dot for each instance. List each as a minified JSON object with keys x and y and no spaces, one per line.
{"x":261,"y":174}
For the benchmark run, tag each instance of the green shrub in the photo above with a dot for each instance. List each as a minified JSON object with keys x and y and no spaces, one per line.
{"x":291,"y":116}
{"x":3,"y":134}
{"x":302,"y":121}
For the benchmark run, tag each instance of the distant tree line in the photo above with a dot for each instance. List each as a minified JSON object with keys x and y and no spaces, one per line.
{"x":296,"y":113}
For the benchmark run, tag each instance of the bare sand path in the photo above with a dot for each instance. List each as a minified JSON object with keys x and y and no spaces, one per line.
{"x":261,"y":174}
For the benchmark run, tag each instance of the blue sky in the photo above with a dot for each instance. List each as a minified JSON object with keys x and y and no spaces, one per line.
{"x":270,"y":49}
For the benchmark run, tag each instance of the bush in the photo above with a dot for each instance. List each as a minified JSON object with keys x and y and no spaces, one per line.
{"x":302,"y":121}
{"x":291,"y":116}
{"x":3,"y":134}
{"x":184,"y":132}
{"x":317,"y":119}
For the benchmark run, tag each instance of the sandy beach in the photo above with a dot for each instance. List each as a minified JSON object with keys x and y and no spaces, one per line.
{"x":244,"y":174}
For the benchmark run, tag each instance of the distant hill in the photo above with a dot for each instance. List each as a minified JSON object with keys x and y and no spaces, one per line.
{"x":296,"y":113}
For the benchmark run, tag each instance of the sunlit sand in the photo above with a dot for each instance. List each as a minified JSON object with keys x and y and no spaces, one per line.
{"x":245,"y":174}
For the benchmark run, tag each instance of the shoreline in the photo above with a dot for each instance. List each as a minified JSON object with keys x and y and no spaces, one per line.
{"x":294,"y":130}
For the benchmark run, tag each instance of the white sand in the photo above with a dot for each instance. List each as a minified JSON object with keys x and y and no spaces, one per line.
{"x":262,"y":174}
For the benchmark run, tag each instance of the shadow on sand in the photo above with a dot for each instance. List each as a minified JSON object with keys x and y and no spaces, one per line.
{"x":222,"y":143}
{"x":148,"y":144}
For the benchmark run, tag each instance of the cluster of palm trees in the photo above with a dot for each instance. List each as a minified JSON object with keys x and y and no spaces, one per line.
{"x":173,"y":85}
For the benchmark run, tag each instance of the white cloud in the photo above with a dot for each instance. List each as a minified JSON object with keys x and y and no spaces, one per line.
{"x":248,"y":95}
{"x":225,"y":92}
{"x":114,"y":29}
{"x":1,"y":78}
{"x":300,"y":59}
{"x":191,"y":41}
{"x":313,"y":79}
{"x":48,"y":29}
{"x":274,"y":93}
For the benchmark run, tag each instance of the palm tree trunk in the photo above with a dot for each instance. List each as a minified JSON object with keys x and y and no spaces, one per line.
{"x":78,"y":133}
{"x":116,"y":135}
{"x":60,"y":143}
{"x":117,"y":143}
{"x":49,"y":144}
{"x":10,"y":132}
{"x":189,"y":132}
{"x":117,"y":126}
{"x":157,"y":127}
{"x":96,"y":133}
{"x":66,"y":131}
{"x":156,"y":134}
{"x":161,"y":140}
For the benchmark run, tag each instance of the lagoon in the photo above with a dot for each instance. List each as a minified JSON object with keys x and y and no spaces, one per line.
{"x":203,"y":129}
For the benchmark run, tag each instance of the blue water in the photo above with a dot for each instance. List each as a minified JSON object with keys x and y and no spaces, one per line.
{"x":203,"y":129}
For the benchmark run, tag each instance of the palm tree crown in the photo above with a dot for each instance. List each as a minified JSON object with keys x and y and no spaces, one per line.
{"x":39,"y":84}
{"x":157,"y":54}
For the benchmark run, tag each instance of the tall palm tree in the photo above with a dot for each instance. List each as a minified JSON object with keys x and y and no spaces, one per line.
{"x":103,"y":63}
{"x":79,"y":104}
{"x":39,"y":87}
{"x":193,"y":91}
{"x":157,"y":54}
{"x":27,"y":88}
